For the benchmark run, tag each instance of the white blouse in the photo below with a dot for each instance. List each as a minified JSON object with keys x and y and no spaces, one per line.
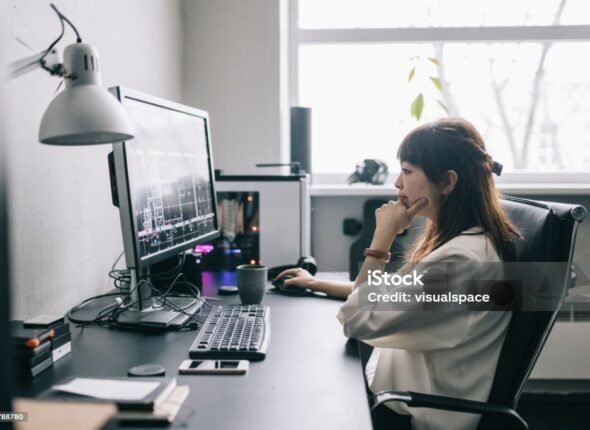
{"x":451,"y":353}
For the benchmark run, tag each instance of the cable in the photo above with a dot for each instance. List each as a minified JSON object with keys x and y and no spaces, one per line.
{"x":42,"y":59}
{"x":62,"y":17}
{"x":84,"y":303}
{"x":171,"y":273}
{"x":180,"y":310}
{"x":196,"y":293}
{"x":58,"y":69}
{"x":162,"y":297}
{"x":117,"y":260}
{"x":121,"y":277}
{"x":159,"y":293}
{"x":108,"y":315}
{"x":100,"y":317}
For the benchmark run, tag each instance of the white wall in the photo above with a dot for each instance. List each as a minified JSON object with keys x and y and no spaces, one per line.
{"x":65,"y":231}
{"x":234,"y":69}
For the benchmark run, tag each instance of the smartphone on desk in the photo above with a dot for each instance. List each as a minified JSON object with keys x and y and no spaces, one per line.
{"x":213,"y":367}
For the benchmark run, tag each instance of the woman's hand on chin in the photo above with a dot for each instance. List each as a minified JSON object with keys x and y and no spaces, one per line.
{"x":390,"y":219}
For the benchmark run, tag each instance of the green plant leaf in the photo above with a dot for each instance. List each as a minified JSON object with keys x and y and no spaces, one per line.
{"x":433,"y":60}
{"x":437,"y":83}
{"x":417,"y":106}
{"x":444,"y":106}
{"x":412,"y":73}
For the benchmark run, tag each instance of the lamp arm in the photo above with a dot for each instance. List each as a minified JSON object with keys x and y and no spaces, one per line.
{"x":28,"y":64}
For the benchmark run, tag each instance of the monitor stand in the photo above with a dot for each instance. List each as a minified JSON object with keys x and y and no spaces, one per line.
{"x":142,"y":313}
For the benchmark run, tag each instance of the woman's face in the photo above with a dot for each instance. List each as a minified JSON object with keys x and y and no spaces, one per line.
{"x":413,"y":184}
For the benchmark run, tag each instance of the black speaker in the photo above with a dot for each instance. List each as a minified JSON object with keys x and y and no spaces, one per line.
{"x":301,"y":137}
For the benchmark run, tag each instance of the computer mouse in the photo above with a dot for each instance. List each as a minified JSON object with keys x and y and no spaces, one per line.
{"x":278,"y":282}
{"x":290,"y":290}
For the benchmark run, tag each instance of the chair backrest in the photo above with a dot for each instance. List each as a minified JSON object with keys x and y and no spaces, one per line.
{"x":548,"y":235}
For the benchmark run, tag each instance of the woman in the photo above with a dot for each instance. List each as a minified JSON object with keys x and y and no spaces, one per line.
{"x":446,"y":176}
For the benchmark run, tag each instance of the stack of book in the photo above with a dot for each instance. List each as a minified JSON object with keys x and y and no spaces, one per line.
{"x":31,"y":349}
{"x":61,"y":343}
{"x":38,"y":343}
{"x":148,"y":402}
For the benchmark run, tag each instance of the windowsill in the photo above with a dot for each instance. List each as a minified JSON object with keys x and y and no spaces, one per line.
{"x":333,"y":190}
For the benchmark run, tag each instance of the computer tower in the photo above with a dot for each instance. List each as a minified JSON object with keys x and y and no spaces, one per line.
{"x":279,"y":228}
{"x":239,"y":226}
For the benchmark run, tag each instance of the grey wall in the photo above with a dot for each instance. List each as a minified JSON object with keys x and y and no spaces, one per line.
{"x":65,"y":233}
{"x":234,"y":69}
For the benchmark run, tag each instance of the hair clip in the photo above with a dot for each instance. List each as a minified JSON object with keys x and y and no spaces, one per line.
{"x":497,"y":168}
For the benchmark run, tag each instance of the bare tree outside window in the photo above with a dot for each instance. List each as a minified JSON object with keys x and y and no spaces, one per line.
{"x":515,"y":68}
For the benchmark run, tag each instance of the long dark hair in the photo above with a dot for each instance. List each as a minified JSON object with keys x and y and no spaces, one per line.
{"x":455,"y":144}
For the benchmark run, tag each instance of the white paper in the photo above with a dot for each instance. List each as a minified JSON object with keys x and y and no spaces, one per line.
{"x":109,"y":389}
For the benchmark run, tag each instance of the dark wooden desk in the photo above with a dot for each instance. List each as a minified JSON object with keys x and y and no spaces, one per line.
{"x":311,"y":377}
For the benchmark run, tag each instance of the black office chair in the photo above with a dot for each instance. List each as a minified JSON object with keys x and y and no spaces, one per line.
{"x":549,"y":235}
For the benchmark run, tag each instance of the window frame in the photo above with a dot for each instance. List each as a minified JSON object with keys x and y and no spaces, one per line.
{"x":556,"y":33}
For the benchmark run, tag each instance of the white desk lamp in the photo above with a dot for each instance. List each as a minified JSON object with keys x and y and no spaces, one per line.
{"x":84,"y":113}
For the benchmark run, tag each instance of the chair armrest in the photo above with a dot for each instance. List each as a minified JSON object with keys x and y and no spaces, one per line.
{"x":421,"y":400}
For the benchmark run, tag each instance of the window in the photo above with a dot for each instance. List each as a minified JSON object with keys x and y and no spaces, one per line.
{"x":517,"y":69}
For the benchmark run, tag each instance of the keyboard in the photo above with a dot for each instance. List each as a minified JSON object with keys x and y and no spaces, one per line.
{"x":238,"y":332}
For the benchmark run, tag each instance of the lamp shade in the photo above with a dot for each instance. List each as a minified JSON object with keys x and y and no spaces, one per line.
{"x":84,"y":113}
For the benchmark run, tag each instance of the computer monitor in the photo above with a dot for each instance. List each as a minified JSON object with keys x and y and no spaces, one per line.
{"x":163,"y":184}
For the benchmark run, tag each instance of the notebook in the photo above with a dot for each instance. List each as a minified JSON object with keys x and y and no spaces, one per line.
{"x":134,"y":394}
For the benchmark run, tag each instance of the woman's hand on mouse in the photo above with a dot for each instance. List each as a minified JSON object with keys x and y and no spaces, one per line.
{"x":300,"y":278}
{"x":392,"y":218}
